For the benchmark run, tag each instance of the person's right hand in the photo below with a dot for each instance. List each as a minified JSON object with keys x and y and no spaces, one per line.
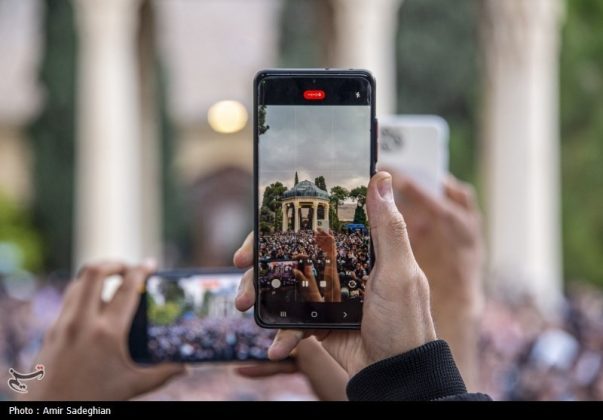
{"x":86,"y":352}
{"x":396,"y":312}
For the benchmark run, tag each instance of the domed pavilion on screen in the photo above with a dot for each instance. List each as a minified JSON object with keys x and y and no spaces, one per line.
{"x":305,"y":206}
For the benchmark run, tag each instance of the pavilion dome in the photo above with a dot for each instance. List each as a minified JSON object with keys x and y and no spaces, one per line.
{"x":306,"y":189}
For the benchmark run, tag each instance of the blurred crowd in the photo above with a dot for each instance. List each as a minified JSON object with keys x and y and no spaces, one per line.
{"x":523,"y":355}
{"x":210,"y":339}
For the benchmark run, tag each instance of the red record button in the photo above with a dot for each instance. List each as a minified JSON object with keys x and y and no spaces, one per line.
{"x":314,"y":95}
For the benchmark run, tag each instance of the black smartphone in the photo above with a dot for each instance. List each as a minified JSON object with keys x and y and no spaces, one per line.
{"x":189,"y":316}
{"x":315,"y":149}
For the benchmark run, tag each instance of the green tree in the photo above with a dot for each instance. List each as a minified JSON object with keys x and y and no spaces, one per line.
{"x":262,"y":126}
{"x":360,"y":216}
{"x":272,"y":196}
{"x":19,"y":238}
{"x":338,"y":196}
{"x":582,"y":148}
{"x":52,"y":136}
{"x":296,"y":179}
{"x":271,"y":212}
{"x":321,"y":183}
{"x":358,"y":194}
{"x":164,"y":314}
{"x":172,"y":291}
{"x":334,"y":222}
{"x":437,"y":71}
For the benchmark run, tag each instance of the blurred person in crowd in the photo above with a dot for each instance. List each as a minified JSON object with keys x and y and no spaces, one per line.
{"x":447,"y":241}
{"x":396,"y":355}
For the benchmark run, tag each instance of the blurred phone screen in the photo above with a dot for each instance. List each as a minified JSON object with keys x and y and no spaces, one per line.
{"x":192,"y":318}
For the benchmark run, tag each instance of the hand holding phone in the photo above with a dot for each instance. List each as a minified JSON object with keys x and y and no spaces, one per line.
{"x":85,"y":350}
{"x":396,"y":315}
{"x":314,"y":153}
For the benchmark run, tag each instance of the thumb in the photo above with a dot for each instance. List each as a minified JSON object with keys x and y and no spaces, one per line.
{"x":388,"y":228}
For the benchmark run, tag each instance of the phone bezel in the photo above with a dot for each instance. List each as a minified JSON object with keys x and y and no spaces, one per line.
{"x":319,"y":73}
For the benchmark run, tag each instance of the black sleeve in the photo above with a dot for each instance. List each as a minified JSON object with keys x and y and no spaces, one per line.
{"x":425,"y":373}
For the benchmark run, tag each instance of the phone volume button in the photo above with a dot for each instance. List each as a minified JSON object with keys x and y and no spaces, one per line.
{"x":376,"y":141}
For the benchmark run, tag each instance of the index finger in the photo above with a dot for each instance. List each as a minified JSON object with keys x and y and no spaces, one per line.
{"x":243,"y":257}
{"x":264,"y":370}
{"x":284,"y":343}
{"x":93,"y":278}
{"x":122,"y":307}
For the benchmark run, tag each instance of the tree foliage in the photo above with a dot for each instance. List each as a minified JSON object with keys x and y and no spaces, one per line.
{"x":360,"y":216}
{"x":263,"y":127}
{"x":338,"y":196}
{"x":19,"y":238}
{"x":437,"y":71}
{"x":582,"y":147}
{"x":271,"y":215}
{"x":164,"y":314}
{"x":358,"y":194}
{"x":53,"y":138}
{"x":320,"y":183}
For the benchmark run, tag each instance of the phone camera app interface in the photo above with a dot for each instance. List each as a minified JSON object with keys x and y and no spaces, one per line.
{"x":314,"y":169}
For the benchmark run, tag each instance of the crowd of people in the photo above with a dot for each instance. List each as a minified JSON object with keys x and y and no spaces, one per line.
{"x":523,"y":356}
{"x":277,"y":252}
{"x":526,"y":356}
{"x":210,"y":339}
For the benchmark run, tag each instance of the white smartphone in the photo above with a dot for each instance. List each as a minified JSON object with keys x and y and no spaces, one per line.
{"x":417,"y":146}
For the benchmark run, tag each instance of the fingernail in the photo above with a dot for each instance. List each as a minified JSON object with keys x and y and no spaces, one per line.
{"x":274,"y":350}
{"x":239,"y":290}
{"x":384,"y":187}
{"x":150,"y":263}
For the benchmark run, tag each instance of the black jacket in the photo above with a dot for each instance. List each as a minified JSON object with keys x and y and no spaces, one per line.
{"x":425,"y":373}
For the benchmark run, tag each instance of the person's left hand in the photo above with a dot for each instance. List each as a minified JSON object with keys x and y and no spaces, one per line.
{"x":327,"y":379}
{"x":86,"y":352}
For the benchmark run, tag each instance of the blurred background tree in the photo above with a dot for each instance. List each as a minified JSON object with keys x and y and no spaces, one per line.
{"x":53,"y":136}
{"x":437,"y":68}
{"x":582,"y":144}
{"x":20,"y":243}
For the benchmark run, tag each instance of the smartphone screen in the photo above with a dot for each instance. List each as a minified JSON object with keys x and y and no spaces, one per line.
{"x":314,"y":156}
{"x":191,"y":317}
